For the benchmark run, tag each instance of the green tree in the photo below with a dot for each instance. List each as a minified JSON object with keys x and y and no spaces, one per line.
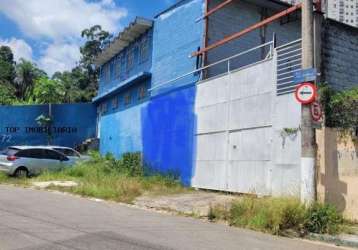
{"x":48,"y":91}
{"x":69,"y":89}
{"x":96,"y":40}
{"x":75,"y":83}
{"x":7,"y":65}
{"x":26,"y":75}
{"x":7,"y":96}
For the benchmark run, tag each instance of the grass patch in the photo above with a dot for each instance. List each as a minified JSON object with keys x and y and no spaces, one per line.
{"x":280,"y":216}
{"x":111,"y":179}
{"x":5,"y":179}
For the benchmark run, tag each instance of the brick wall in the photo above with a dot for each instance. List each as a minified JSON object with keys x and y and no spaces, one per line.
{"x":339,"y":54}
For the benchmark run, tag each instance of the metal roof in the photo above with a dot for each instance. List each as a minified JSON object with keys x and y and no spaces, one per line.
{"x":134,"y":30}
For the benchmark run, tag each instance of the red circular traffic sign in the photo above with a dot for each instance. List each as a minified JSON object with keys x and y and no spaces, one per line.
{"x":306,"y":93}
{"x":316,"y":111}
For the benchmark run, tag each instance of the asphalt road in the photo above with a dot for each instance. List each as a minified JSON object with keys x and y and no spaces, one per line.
{"x":39,"y":220}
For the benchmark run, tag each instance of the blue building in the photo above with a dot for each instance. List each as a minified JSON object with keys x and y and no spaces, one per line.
{"x":141,"y":108}
{"x":204,"y":124}
{"x":134,"y":114}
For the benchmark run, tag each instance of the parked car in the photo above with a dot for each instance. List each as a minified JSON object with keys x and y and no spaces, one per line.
{"x":72,"y":154}
{"x":31,"y":160}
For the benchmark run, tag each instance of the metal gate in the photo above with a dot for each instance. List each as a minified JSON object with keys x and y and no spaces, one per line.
{"x":234,"y":130}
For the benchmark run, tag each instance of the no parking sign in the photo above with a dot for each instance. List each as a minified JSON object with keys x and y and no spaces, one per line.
{"x":306,"y":93}
{"x":316,"y":111}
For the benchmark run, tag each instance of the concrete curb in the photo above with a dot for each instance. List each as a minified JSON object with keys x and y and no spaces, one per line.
{"x":339,"y":240}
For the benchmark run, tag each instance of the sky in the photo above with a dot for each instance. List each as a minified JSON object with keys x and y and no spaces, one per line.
{"x":48,"y":32}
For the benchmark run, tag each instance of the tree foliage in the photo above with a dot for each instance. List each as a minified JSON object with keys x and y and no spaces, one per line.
{"x":340,"y":107}
{"x":26,"y":75}
{"x":7,"y":96}
{"x":48,"y":91}
{"x":7,"y":65}
{"x":96,"y":40}
{"x":24,"y":82}
{"x":7,"y":76}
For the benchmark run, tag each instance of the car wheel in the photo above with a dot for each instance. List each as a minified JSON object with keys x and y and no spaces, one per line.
{"x":21,"y":173}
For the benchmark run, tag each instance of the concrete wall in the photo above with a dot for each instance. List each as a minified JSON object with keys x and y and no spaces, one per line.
{"x":286,"y":147}
{"x":236,"y":17}
{"x":340,"y":54}
{"x":338,"y":170}
{"x":72,"y":124}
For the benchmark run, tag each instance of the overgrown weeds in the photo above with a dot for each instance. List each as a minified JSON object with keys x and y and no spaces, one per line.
{"x":109,"y":178}
{"x":280,"y":216}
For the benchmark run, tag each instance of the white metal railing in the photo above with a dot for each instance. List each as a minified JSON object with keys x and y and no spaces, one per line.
{"x":227,"y":60}
{"x":289,"y":61}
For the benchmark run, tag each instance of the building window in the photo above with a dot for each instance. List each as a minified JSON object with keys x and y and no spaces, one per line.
{"x":115,"y":103}
{"x":107,"y":72}
{"x":144,"y":49}
{"x":142,"y":93}
{"x":103,"y":107}
{"x":127,"y":99}
{"x":130,"y":59}
{"x":117,"y":67}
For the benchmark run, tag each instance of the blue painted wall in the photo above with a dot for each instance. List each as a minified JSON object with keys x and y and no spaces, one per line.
{"x":120,"y":129}
{"x":176,"y":35}
{"x":20,"y":117}
{"x":161,"y":126}
{"x":168,"y":125}
{"x":81,"y":116}
{"x":73,"y":123}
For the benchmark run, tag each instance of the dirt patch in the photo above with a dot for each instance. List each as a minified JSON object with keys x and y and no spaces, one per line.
{"x":194,"y":203}
{"x":47,"y":184}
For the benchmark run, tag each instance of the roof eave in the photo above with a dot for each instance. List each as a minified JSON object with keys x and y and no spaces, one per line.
{"x":134,"y":30}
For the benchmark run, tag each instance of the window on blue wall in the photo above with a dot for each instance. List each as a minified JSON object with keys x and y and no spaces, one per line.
{"x":142,"y":93}
{"x":144,"y":50}
{"x":127,"y":98}
{"x":115,"y":103}
{"x":111,"y":69}
{"x":117,"y":67}
{"x":103,"y":107}
{"x":101,"y":73}
{"x":130,"y":59}
{"x":107,"y":72}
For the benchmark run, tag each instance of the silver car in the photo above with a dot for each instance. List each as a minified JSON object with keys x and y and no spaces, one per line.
{"x":23,"y":161}
{"x":73,"y":155}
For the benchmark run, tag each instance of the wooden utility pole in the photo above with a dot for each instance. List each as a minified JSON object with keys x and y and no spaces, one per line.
{"x":308,"y":151}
